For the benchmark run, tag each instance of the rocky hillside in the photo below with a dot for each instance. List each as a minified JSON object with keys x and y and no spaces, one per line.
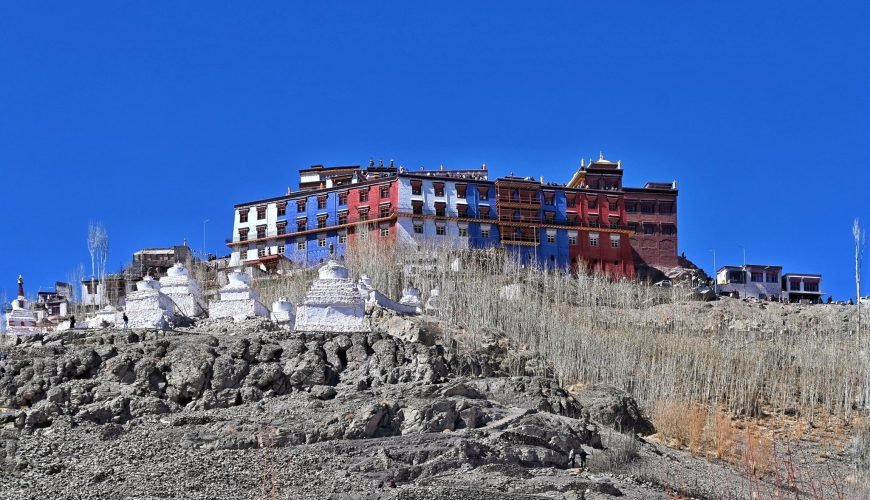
{"x":224,"y":410}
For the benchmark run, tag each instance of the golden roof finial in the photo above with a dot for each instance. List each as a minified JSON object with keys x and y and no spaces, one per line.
{"x":582,"y":162}
{"x":601,"y":155}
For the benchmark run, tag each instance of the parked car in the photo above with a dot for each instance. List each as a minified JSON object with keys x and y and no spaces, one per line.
{"x":663,"y":284}
{"x":865,"y":300}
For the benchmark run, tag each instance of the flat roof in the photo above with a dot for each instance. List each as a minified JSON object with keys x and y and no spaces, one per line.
{"x":749,"y":266}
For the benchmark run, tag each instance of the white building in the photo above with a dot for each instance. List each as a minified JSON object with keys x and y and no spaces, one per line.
{"x":802,"y":287}
{"x":750,"y":280}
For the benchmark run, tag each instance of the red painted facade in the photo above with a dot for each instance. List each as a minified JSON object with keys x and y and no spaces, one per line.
{"x":653,"y":221}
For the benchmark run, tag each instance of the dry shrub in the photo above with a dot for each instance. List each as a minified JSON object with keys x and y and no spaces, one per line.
{"x":722,"y":436}
{"x":649,"y":341}
{"x":757,"y":453}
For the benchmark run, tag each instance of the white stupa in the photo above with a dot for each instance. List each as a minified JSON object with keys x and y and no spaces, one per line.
{"x":147,"y":307}
{"x":237,"y":300}
{"x":333,"y":304}
{"x":283,"y":313}
{"x":183,"y":290}
{"x":21,"y":320}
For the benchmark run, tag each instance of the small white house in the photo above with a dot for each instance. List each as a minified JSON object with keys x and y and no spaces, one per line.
{"x":750,"y":280}
{"x":802,"y":287}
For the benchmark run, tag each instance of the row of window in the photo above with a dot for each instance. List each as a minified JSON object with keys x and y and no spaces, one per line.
{"x":322,"y":242}
{"x":362,"y":193}
{"x":648,"y":207}
{"x":648,"y":228}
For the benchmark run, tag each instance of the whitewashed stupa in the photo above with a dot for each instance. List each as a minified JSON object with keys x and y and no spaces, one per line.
{"x":183,"y":290}
{"x":333,"y":304}
{"x":375,"y":299}
{"x":105,"y":316}
{"x":21,"y":320}
{"x":283,"y":313}
{"x":237,"y":300}
{"x":147,"y":307}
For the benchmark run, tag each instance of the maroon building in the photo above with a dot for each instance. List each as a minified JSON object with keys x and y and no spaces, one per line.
{"x":651,"y":212}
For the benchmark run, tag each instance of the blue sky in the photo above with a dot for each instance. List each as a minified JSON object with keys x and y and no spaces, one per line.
{"x":155,"y":116}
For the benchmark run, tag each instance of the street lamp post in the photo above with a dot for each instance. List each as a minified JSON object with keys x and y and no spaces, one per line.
{"x":715,"y":280}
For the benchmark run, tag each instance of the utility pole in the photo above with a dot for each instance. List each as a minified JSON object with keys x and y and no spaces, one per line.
{"x":745,"y":277}
{"x":204,"y":246}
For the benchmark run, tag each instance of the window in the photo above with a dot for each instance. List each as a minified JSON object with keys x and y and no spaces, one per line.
{"x":364,"y":194}
{"x":417,"y":207}
{"x":243,"y":215}
{"x":385,"y":192}
{"x":460,"y":191}
{"x":417,"y":188}
{"x":261,"y":213}
{"x":364,"y":234}
{"x":593,"y":239}
{"x":364,"y":215}
{"x":342,"y":198}
{"x":300,"y":205}
{"x":282,"y":209}
{"x":810,"y":286}
{"x":549,"y":197}
{"x":342,"y":217}
{"x":321,"y":202}
{"x":463,"y":232}
{"x":592,"y":204}
{"x":756,"y":276}
{"x":261,"y":232}
{"x":572,"y":239}
{"x":243,"y":255}
{"x":243,"y":234}
{"x":794,"y":284}
{"x":735,"y":276}
{"x":614,"y":241}
{"x":321,"y":242}
{"x":649,"y":229}
{"x":321,"y":222}
{"x":342,"y":238}
{"x":571,"y":202}
{"x":632,"y":226}
{"x":301,"y":223}
{"x":282,"y":227}
{"x":771,"y":277}
{"x":666,"y":208}
{"x":300,"y":244}
{"x":631,"y":206}
{"x":484,"y":193}
{"x":440,"y":209}
{"x":384,"y":211}
{"x":261,"y":251}
{"x":440,"y":230}
{"x":385,"y":231}
{"x":484,"y":233}
{"x":418,"y":227}
{"x":439,"y":188}
{"x":551,"y":238}
{"x":281,"y":249}
{"x":647,"y":208}
{"x":668,"y":229}
{"x":613,"y":206}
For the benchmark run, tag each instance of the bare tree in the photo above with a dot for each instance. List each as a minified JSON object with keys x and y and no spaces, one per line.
{"x":98,"y":247}
{"x":860,"y":239}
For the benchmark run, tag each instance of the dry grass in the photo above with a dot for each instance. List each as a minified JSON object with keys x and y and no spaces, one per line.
{"x":652,"y":342}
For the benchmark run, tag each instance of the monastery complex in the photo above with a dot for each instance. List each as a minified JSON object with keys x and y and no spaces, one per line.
{"x":591,"y":222}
